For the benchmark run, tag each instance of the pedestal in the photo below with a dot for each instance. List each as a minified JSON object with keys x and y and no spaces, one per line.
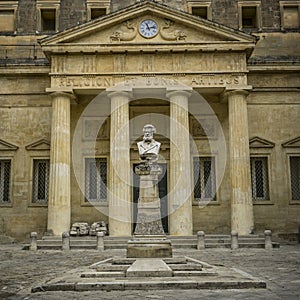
{"x":149,"y":239}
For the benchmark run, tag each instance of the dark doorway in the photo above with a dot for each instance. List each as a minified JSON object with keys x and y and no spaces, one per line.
{"x":163,"y":195}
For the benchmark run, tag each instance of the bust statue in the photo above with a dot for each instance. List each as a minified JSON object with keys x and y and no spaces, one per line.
{"x":148,"y":147}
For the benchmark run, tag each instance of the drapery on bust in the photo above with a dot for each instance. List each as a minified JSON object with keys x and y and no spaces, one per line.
{"x":148,"y":147}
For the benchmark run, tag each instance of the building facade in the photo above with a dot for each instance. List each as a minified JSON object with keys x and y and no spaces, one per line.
{"x":218,"y":79}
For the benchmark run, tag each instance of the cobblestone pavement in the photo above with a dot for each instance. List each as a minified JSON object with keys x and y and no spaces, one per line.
{"x":20,"y":270}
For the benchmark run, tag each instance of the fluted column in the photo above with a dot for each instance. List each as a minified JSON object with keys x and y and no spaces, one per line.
{"x":59,"y":205}
{"x":181,"y":221}
{"x":241,"y":196}
{"x":119,"y":169}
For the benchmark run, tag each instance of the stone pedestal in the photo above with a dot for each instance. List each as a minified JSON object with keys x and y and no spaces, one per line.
{"x":149,"y":239}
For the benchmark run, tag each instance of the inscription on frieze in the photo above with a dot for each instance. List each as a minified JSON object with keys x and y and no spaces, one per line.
{"x":193,"y":80}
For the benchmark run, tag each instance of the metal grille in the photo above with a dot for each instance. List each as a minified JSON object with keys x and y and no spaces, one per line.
{"x":295,"y":177}
{"x":204,"y":178}
{"x":41,"y":172}
{"x":4,"y":181}
{"x":259,"y":178}
{"x":96,"y":179}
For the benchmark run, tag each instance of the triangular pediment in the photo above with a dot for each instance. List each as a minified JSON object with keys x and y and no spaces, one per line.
{"x":174,"y":27}
{"x":258,"y":142}
{"x":294,"y":143}
{"x":5,"y":146}
{"x":39,"y":145}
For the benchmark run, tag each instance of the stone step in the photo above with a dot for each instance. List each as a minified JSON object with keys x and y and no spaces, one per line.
{"x":108,"y":274}
{"x":194,"y":273}
{"x":110,"y":267}
{"x":186,"y":267}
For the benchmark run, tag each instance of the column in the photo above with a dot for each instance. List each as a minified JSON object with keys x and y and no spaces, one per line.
{"x":59,"y":204}
{"x":180,"y":208}
{"x":119,"y":169}
{"x":239,"y":155}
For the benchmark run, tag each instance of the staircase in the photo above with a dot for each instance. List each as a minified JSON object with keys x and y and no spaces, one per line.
{"x":178,"y":242}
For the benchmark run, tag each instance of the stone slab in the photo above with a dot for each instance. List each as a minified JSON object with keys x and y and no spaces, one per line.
{"x":102,"y":274}
{"x":146,"y":267}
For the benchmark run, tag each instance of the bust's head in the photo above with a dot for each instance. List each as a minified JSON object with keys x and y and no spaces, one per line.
{"x":148,"y":130}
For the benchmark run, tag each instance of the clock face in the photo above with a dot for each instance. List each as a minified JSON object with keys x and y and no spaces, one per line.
{"x":148,"y":28}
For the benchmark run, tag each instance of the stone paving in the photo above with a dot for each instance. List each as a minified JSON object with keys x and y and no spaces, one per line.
{"x":20,"y":270}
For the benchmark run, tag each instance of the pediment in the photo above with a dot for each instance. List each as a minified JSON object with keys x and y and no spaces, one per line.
{"x":39,"y":145}
{"x":174,"y":27}
{"x":258,"y":142}
{"x":5,"y":146}
{"x":294,"y":143}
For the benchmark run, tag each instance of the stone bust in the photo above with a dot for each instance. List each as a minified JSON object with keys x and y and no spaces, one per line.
{"x":148,"y":147}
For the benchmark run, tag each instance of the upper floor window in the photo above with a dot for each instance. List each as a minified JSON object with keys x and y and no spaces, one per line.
{"x":40,"y":182}
{"x":48,"y":19}
{"x":200,"y":8}
{"x":249,"y":15}
{"x":97,"y":8}
{"x":7,"y":20}
{"x":47,"y":15}
{"x":259,"y":178}
{"x":96,"y":179}
{"x":295,"y":177}
{"x":5,"y":165}
{"x":204,"y":178}
{"x":290,"y":11}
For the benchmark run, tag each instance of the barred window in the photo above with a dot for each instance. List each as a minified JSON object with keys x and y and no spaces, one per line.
{"x":96,"y":179}
{"x":5,"y":181}
{"x":295,"y":177}
{"x":259,"y":178}
{"x":40,"y":182}
{"x":204,"y":178}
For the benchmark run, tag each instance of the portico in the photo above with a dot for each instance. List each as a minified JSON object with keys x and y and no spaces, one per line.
{"x":85,"y":63}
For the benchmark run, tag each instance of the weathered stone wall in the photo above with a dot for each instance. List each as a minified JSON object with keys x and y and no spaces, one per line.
{"x":270,"y":14}
{"x":225,"y":12}
{"x":72,"y":13}
{"x":26,"y":16}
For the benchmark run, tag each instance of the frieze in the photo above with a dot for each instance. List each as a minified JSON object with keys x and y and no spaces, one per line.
{"x":105,"y":81}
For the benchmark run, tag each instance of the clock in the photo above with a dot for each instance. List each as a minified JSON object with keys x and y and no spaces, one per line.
{"x":148,"y":28}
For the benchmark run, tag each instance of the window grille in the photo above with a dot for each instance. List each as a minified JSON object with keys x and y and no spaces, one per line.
{"x":41,"y":168}
{"x":204,"y":178}
{"x":5,"y":181}
{"x":295,"y":177}
{"x":259,"y":178}
{"x":96,"y":179}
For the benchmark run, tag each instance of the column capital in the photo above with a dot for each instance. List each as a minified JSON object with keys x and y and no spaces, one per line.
{"x":237,"y":92}
{"x":125,"y":94}
{"x":173,"y":92}
{"x":57,"y":92}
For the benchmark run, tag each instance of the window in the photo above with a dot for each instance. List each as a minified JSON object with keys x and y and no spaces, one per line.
{"x":5,"y":166}
{"x":204,"y":178}
{"x":96,"y":179}
{"x":200,"y":11}
{"x":7,"y":20}
{"x":290,"y":16}
{"x":97,"y":12}
{"x":249,"y":19}
{"x":295,"y":177}
{"x":249,"y":15}
{"x":48,"y":19}
{"x":40,"y":184}
{"x":200,"y":8}
{"x":259,"y":178}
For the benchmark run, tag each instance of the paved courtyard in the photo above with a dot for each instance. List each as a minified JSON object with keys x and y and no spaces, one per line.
{"x":20,"y":270}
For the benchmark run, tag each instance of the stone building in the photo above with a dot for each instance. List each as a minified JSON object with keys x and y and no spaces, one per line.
{"x":219,"y":80}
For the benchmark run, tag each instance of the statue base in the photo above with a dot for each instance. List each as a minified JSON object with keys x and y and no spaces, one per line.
{"x":149,"y":247}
